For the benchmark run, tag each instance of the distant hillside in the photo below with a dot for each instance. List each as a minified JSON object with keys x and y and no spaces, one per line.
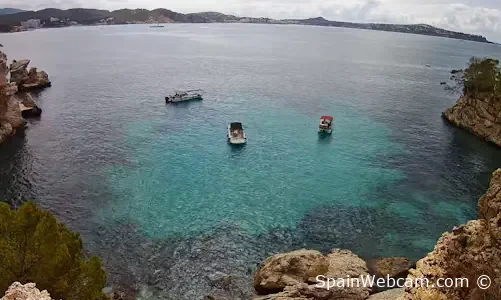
{"x":160,"y":15}
{"x":9,"y":11}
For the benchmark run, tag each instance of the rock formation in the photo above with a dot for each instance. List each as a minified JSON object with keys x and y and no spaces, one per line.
{"x":19,"y":71}
{"x":17,"y":291}
{"x":481,"y":115}
{"x":15,"y":104}
{"x":292,"y":276}
{"x":36,"y":80}
{"x":10,"y":113}
{"x":469,"y":251}
{"x":28,"y":80}
{"x":395,"y":294}
{"x":392,"y":267}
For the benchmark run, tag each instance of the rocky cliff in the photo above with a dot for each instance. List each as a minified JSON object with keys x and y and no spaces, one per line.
{"x":469,"y":251}
{"x":17,"y":291}
{"x":481,"y":115}
{"x":15,"y":100}
{"x":10,"y":113}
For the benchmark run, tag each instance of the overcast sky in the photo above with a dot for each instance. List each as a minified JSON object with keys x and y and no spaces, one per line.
{"x":472,"y":16}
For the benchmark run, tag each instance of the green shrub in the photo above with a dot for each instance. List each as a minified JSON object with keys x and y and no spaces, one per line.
{"x":483,"y":75}
{"x":34,"y":247}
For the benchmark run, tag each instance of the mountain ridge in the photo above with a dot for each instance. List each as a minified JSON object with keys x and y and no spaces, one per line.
{"x":86,"y":16}
{"x":9,"y":11}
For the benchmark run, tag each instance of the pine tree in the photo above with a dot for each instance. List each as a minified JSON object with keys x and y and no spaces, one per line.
{"x":34,"y":247}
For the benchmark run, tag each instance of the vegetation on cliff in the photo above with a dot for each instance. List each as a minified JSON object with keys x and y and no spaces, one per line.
{"x":483,"y":75}
{"x":478,"y":109}
{"x":34,"y":247}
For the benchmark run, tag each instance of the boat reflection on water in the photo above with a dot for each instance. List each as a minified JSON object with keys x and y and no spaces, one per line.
{"x":324,"y":138}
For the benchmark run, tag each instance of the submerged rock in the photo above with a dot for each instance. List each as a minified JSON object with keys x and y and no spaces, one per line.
{"x":480,"y":115}
{"x":470,"y":251}
{"x":17,"y":291}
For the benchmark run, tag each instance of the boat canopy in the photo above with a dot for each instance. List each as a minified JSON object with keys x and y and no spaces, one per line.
{"x":187,"y":91}
{"x":236,"y":126}
{"x":328,"y":118}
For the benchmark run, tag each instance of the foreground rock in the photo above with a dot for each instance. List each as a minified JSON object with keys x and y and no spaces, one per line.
{"x":480,"y":115}
{"x":292,"y":276}
{"x":17,"y":291}
{"x":389,"y":268}
{"x":10,"y":113}
{"x":469,"y":251}
{"x":19,"y":71}
{"x":28,"y":80}
{"x":289,"y":269}
{"x":395,"y":294}
{"x":36,"y":80}
{"x":15,"y":104}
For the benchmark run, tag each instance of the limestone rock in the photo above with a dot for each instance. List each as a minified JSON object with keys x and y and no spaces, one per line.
{"x":490,"y":203}
{"x":344,"y":263}
{"x":395,"y":294}
{"x":17,"y":291}
{"x":4,"y":69}
{"x":292,"y":276}
{"x":25,"y":80}
{"x":304,"y":291}
{"x":469,"y":251}
{"x":395,"y":267}
{"x":36,"y":80}
{"x":481,"y":116}
{"x":18,"y":71}
{"x":386,"y":269}
{"x":10,"y":113}
{"x":289,"y":269}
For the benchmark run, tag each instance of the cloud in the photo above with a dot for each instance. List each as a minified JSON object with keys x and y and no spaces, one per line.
{"x":483,"y":17}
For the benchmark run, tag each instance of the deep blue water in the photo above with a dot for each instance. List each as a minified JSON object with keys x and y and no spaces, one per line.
{"x":156,"y":191}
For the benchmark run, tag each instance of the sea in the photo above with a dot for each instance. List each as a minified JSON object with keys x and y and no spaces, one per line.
{"x":175,"y":212}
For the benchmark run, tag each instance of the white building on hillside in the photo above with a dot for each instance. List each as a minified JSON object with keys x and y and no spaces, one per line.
{"x":31,"y":24}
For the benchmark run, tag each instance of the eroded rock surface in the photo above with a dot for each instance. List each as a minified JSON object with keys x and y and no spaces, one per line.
{"x":29,"y":291}
{"x":480,"y":115}
{"x":296,"y":274}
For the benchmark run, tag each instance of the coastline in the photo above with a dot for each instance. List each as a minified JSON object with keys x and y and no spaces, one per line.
{"x":64,"y":18}
{"x":215,"y":278}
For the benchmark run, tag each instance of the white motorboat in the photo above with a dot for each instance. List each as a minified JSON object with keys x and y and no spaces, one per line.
{"x":236,"y":134}
{"x":325,"y":126}
{"x":181,"y":96}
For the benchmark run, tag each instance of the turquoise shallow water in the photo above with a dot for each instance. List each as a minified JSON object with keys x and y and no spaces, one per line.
{"x":168,"y":205}
{"x":190,"y":179}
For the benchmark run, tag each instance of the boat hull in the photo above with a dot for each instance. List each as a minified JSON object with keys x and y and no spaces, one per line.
{"x":237,"y":141}
{"x":325,"y":131}
{"x":176,"y":100}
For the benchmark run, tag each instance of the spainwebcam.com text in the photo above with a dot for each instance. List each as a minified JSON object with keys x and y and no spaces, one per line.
{"x":370,"y":281}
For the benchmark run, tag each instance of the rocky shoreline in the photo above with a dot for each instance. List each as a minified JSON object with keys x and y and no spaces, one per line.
{"x":16,"y":100}
{"x":469,"y":251}
{"x":480,"y":115}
